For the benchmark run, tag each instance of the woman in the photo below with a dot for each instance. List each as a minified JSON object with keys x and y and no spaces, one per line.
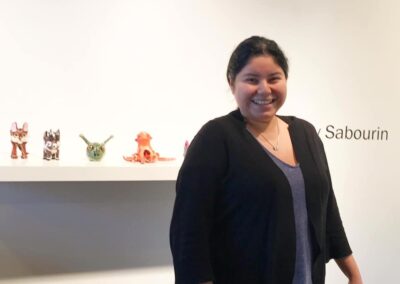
{"x":254,"y":199}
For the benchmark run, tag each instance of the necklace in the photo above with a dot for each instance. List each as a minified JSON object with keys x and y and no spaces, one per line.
{"x":274,"y":147}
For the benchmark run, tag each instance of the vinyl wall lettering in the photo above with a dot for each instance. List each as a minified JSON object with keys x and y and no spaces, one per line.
{"x":348,"y":133}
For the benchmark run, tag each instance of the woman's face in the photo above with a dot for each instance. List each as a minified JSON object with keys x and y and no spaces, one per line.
{"x":260,"y":89}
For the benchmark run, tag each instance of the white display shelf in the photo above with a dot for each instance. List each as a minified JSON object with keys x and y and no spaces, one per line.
{"x":153,"y":275}
{"x":36,"y":169}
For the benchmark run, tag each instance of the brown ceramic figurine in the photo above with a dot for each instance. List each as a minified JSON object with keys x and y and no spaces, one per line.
{"x":19,"y":138}
{"x":51,"y":149}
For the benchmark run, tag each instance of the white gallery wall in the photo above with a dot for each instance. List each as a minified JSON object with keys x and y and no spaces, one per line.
{"x":120,"y":67}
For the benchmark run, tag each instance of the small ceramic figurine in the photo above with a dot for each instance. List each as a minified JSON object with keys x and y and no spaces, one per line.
{"x":95,"y":151}
{"x":19,"y":138}
{"x":145,"y":153}
{"x":185,"y":147}
{"x":51,"y":149}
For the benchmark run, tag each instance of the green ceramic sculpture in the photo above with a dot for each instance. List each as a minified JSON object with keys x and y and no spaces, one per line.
{"x":95,"y":151}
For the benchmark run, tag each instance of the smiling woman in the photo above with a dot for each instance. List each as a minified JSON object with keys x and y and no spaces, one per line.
{"x":254,"y":200}
{"x":259,"y":89}
{"x":257,"y":77}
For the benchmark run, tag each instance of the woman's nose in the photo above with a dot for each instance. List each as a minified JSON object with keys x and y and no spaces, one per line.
{"x":264,"y":87}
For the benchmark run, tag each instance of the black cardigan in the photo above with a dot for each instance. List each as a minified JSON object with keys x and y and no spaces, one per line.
{"x":233,"y":219}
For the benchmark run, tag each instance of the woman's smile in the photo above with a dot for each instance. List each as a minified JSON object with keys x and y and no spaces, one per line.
{"x":266,"y":101}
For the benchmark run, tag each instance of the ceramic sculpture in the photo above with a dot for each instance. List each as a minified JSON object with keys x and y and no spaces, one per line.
{"x":145,"y":153}
{"x":95,"y":151}
{"x":51,"y":149}
{"x":19,"y":138}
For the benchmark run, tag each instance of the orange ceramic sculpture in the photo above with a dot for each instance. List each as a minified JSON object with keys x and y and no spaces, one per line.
{"x":145,"y":153}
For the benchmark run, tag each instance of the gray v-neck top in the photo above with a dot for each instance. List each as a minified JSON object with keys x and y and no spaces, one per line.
{"x":303,"y":265}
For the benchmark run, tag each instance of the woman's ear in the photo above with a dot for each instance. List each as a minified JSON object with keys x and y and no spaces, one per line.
{"x":232,"y":85}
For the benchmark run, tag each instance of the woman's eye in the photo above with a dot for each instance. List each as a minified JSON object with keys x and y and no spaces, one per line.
{"x":252,"y":80}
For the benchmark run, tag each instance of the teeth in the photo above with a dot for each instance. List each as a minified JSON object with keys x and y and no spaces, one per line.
{"x":262,"y":102}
